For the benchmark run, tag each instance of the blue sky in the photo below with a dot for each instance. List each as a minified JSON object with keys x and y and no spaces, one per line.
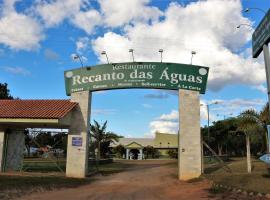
{"x":37,"y":39}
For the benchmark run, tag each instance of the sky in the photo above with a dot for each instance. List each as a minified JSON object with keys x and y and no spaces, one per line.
{"x":38,"y":39}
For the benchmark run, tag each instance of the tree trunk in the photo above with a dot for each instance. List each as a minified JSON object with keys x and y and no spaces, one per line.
{"x":248,"y":153}
{"x":98,"y":153}
{"x":220,"y":149}
{"x":267,"y":142}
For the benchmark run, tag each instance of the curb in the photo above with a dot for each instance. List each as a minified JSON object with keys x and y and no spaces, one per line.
{"x":240,"y":191}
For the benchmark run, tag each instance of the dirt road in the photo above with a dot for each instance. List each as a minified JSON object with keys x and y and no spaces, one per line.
{"x":146,"y":180}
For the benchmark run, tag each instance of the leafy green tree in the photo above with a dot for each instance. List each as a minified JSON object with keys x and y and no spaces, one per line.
{"x":172,"y":153}
{"x":119,"y":150}
{"x":150,"y":152}
{"x":249,"y":124}
{"x":102,"y":138}
{"x":4,"y":91}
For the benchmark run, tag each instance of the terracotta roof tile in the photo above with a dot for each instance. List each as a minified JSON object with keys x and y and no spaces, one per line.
{"x":35,"y":109}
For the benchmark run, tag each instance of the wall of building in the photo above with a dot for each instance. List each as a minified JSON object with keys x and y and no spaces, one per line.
{"x":15,"y":149}
{"x":164,"y":140}
{"x":2,"y":143}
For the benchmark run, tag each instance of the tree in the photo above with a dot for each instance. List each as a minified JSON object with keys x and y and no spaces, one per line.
{"x":265,"y":120}
{"x":4,"y":91}
{"x":150,"y":151}
{"x":119,"y":150}
{"x":249,"y":123}
{"x":102,"y":138}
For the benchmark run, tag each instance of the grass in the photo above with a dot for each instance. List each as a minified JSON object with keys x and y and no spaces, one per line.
{"x":257,"y":181}
{"x":15,"y":186}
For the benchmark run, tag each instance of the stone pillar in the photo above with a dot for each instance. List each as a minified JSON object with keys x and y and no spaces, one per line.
{"x":189,"y":151}
{"x":78,"y":137}
{"x":141,"y":154}
{"x":2,"y":150}
{"x":14,"y":150}
{"x":127,"y":154}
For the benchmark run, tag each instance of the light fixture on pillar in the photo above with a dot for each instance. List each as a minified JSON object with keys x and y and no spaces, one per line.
{"x":77,"y":57}
{"x":160,"y":51}
{"x":208,"y":117}
{"x":239,"y":26}
{"x":192,"y":54}
{"x":261,"y":10}
{"x":105,"y":53}
{"x":132,"y":54}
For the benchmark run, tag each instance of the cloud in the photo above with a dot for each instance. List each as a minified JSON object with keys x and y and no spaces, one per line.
{"x":119,"y":13}
{"x":261,"y":88}
{"x":17,"y":30}
{"x":173,"y":116}
{"x":17,"y":70}
{"x":77,"y":12}
{"x":166,"y":123}
{"x":160,"y":95}
{"x":229,"y":108}
{"x":51,"y":55}
{"x":103,"y":111}
{"x":87,"y":20}
{"x":82,"y":45}
{"x":213,"y":35}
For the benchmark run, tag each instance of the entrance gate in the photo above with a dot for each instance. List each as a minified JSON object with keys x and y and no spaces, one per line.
{"x":189,"y":80}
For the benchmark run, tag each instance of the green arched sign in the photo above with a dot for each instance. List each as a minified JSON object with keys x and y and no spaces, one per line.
{"x":172,"y":76}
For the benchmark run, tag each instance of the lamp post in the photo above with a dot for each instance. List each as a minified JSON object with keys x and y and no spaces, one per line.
{"x":77,"y":57}
{"x":105,"y":53}
{"x":208,"y":118}
{"x":192,"y":54}
{"x":131,"y":51}
{"x":261,"y":10}
{"x":239,"y":26}
{"x":160,"y":51}
{"x":265,"y":54}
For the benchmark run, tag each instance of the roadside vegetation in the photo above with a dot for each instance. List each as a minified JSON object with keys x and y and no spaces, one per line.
{"x":258,"y":181}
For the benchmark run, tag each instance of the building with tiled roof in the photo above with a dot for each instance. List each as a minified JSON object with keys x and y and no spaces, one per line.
{"x":163,"y":142}
{"x":33,"y":113}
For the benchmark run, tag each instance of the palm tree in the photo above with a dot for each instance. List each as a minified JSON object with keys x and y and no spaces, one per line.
{"x":264,"y":118}
{"x":249,"y":123}
{"x":100,"y":135}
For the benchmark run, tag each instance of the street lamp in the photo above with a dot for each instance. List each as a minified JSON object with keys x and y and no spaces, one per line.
{"x":208,"y":119}
{"x":192,"y":54}
{"x":160,"y":51}
{"x":239,"y":26}
{"x":105,"y":53}
{"x":77,"y":57}
{"x":131,"y":51}
{"x":261,"y":10}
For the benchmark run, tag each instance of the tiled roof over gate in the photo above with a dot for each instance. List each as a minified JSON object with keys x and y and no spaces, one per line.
{"x":35,"y":109}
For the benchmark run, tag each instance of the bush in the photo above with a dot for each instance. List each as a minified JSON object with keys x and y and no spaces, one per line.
{"x":172,"y":153}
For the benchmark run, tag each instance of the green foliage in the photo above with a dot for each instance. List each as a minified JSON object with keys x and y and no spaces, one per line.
{"x":4,"y":91}
{"x":150,"y":152}
{"x":119,"y":151}
{"x":228,"y":136}
{"x":172,"y":153}
{"x":102,"y":139}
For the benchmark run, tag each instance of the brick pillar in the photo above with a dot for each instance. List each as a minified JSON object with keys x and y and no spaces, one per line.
{"x":189,"y":151}
{"x":2,"y":150}
{"x":78,"y":137}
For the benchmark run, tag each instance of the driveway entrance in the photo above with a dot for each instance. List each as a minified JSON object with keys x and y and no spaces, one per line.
{"x":142,"y":179}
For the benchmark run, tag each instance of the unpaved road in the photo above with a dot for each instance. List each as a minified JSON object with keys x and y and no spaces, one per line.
{"x":147,"y":180}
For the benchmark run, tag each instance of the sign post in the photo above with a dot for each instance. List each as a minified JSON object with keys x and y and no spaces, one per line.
{"x":260,"y":40}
